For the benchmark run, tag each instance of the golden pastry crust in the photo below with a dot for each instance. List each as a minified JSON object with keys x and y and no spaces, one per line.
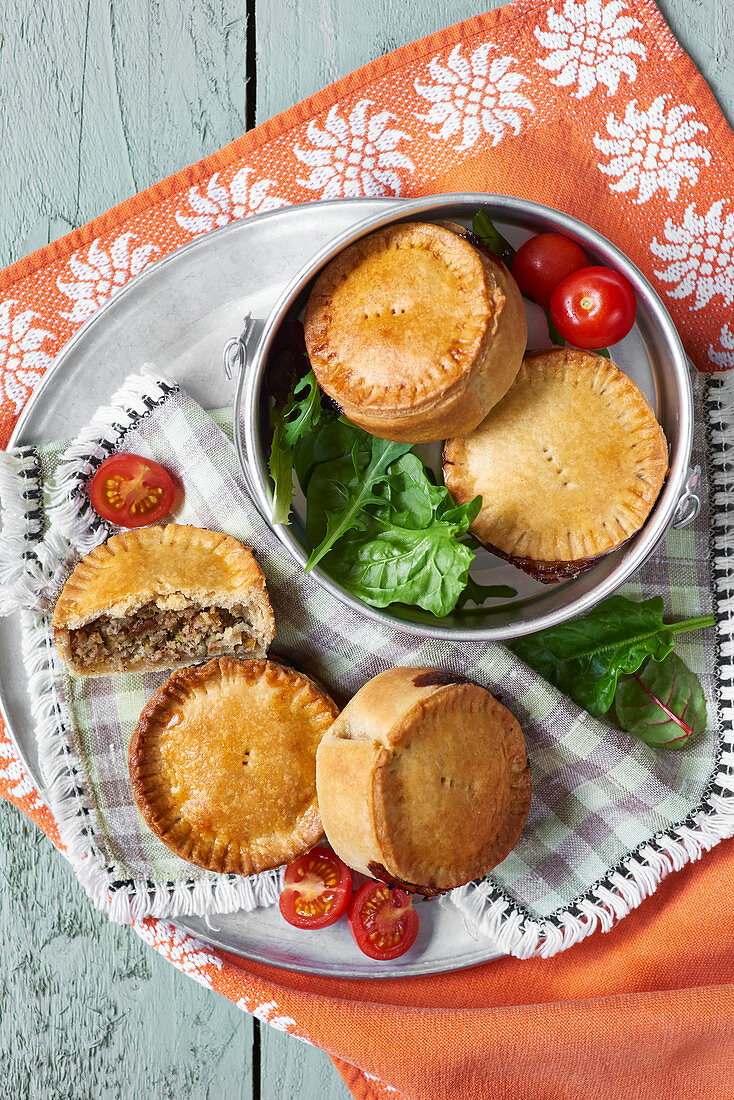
{"x":423,"y":780}
{"x":415,"y":333}
{"x":223,"y":764}
{"x":161,"y":576}
{"x":568,"y":464}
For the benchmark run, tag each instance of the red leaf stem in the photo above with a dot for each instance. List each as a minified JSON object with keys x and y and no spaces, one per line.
{"x":687,"y":731}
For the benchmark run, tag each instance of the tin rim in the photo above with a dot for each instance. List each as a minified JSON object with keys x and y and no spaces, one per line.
{"x":658,"y":333}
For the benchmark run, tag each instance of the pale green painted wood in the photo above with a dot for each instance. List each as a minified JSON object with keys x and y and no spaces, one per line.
{"x":87,"y":1010}
{"x":99,"y":99}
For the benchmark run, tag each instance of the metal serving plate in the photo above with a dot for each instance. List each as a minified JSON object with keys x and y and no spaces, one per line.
{"x":178,"y":314}
{"x":651,"y":354}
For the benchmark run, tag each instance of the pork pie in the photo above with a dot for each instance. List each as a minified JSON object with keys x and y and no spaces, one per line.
{"x":423,"y":780}
{"x":162,"y":597}
{"x":568,"y":464}
{"x":223,"y":764}
{"x":415,"y":333}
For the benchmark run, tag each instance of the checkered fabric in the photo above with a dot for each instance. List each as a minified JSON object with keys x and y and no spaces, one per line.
{"x":600,"y":798}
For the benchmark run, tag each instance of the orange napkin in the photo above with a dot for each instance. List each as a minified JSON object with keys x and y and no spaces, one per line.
{"x":593,"y":108}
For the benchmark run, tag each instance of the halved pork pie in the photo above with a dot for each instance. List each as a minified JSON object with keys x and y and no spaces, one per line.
{"x":162,"y":597}
{"x":415,"y":333}
{"x":568,"y":464}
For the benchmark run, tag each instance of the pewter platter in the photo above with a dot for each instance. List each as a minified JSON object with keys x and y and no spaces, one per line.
{"x":178,"y":314}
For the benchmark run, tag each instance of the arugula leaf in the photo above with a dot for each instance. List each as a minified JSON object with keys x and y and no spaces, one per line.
{"x":280,"y":466}
{"x":298,"y":418}
{"x":663,"y":705}
{"x":305,"y":412}
{"x":350,"y":483}
{"x":487,"y":232}
{"x":584,"y":658}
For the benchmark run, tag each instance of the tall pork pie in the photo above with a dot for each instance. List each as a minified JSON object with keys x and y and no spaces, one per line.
{"x":415,"y":333}
{"x":423,"y":780}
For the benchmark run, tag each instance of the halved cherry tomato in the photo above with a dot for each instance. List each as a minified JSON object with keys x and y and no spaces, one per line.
{"x":542,"y":262}
{"x":131,"y":491}
{"x":594,"y":307}
{"x":317,"y":890}
{"x":383,"y":920}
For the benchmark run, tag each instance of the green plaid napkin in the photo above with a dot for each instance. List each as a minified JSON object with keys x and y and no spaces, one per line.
{"x":609,"y":816}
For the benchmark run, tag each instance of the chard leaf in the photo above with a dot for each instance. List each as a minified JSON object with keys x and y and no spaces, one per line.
{"x":351,"y":483}
{"x":584,"y":658}
{"x":663,"y":704}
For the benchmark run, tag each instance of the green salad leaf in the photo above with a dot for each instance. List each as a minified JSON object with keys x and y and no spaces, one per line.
{"x":340,"y":491}
{"x":663,"y":704}
{"x":403,"y":547}
{"x":584,"y":658}
{"x":479,"y":593}
{"x":374,"y":514}
{"x":553,"y":332}
{"x":484,"y":228}
{"x":281,"y":467}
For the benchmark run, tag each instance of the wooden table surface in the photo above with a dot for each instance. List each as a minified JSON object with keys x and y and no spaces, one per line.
{"x":99,"y":99}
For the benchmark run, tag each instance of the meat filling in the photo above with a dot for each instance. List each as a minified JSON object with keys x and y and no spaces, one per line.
{"x":153,"y":634}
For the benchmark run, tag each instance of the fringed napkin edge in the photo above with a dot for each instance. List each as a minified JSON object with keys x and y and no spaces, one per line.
{"x":34,"y":565}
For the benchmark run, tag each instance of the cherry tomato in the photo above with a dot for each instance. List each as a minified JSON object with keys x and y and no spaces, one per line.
{"x":594,"y":307}
{"x":542,"y":262}
{"x":317,"y":890}
{"x":131,"y":491}
{"x":383,"y":920}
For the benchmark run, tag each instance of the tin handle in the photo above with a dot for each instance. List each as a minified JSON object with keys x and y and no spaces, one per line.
{"x":689,"y":504}
{"x":235,"y":350}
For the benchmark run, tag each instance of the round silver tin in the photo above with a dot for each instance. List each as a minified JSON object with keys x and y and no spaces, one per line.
{"x":652,"y":355}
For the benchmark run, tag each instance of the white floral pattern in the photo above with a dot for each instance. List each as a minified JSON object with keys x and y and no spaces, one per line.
{"x":269,"y":1013}
{"x":23,"y":358}
{"x":474,"y":95}
{"x":356,"y":155}
{"x":15,"y":778}
{"x":184,"y":951}
{"x":590,"y":44}
{"x":699,"y":255}
{"x":724,"y":358}
{"x":218,"y":204}
{"x":101,"y":273}
{"x":652,"y":150}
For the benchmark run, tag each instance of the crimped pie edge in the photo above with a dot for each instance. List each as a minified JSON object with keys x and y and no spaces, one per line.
{"x":307,"y":829}
{"x":527,"y":546}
